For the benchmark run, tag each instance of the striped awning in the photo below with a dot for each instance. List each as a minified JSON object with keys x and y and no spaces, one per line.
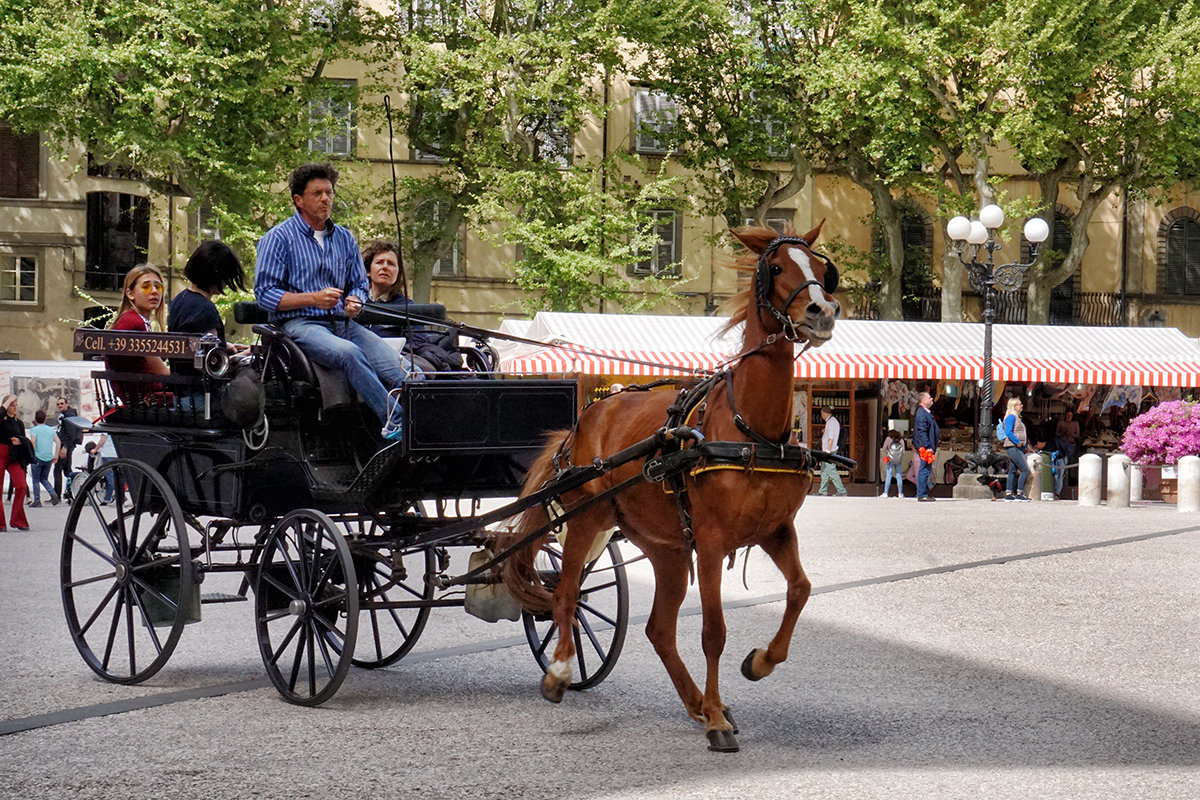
{"x":633,"y":345}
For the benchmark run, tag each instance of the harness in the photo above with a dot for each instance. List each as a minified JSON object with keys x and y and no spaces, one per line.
{"x":672,"y":460}
{"x":764,"y":282}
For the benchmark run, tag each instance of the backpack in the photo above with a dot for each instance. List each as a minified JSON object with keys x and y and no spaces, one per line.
{"x":1000,"y":436}
{"x":895,"y":451}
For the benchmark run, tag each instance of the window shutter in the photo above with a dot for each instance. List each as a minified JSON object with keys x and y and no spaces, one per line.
{"x":18,"y":163}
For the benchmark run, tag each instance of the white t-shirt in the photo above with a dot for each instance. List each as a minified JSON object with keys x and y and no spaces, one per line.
{"x":829,"y":439}
{"x":320,"y":237}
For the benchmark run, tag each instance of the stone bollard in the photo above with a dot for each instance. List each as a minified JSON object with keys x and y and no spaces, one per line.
{"x":1033,"y":483}
{"x":1135,"y":483}
{"x":1188,"y":472}
{"x":1089,"y":480}
{"x":1118,"y":481}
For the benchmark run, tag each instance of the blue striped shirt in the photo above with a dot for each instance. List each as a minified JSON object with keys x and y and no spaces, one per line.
{"x":290,"y":260}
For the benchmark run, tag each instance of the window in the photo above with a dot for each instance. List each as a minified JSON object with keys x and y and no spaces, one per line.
{"x":776,"y":133}
{"x":431,"y":126}
{"x":1063,"y":310}
{"x":205,"y":225}
{"x":664,"y":258}
{"x":421,"y":15}
{"x":447,"y":263}
{"x":118,"y":235}
{"x":331,"y":120}
{"x":19,"y":162}
{"x":655,"y":121}
{"x":1183,"y":258}
{"x":551,"y":139}
{"x":18,"y":279}
{"x":777,"y":218}
{"x":919,"y":299}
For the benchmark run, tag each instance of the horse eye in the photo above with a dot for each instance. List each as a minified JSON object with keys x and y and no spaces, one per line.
{"x":776,"y":269}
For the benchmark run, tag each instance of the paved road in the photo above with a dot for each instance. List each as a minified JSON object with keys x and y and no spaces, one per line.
{"x":957,"y":649}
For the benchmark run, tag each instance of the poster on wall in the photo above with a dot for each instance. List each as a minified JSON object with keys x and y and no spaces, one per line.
{"x":39,"y":384}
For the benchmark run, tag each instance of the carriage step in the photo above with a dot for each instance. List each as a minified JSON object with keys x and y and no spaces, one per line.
{"x":221,"y":597}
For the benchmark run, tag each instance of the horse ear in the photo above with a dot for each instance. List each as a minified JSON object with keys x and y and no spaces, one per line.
{"x":754,"y":239}
{"x":812,"y":235}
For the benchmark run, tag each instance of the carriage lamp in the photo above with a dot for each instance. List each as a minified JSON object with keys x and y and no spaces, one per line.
{"x":987,"y":277}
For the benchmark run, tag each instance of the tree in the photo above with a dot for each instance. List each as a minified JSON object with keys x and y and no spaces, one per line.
{"x":206,"y":100}
{"x":1104,"y":102}
{"x":493,"y":93}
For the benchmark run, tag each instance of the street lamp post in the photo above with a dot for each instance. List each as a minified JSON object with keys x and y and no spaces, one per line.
{"x":987,"y":277}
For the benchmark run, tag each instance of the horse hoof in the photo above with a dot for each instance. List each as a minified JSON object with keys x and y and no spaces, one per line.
{"x":722,"y":741}
{"x":729,"y":718}
{"x":748,"y":667}
{"x":553,"y":690}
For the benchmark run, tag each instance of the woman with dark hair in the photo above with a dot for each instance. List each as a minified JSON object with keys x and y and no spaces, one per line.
{"x":387,"y":283}
{"x":15,"y":455}
{"x":212,"y":269}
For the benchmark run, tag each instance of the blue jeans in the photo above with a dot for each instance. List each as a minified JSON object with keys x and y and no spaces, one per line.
{"x":1017,"y":464}
{"x":893,"y":471}
{"x":370,"y":365}
{"x":924,"y":478}
{"x":110,"y":482}
{"x":41,"y":477}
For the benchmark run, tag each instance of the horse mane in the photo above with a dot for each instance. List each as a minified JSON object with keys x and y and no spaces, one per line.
{"x":745,"y":261}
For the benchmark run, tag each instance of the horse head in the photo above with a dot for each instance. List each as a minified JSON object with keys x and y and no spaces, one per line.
{"x":793,"y":284}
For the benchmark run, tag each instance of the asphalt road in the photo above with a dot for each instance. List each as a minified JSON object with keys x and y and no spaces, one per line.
{"x":951,"y":649}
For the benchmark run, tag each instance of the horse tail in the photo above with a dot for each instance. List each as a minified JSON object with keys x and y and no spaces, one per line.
{"x":520,"y":576}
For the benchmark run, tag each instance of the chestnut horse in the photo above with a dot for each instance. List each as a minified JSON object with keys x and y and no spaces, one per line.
{"x":789,"y":300}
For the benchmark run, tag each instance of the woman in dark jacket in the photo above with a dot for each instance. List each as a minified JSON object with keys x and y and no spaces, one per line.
{"x":15,"y":455}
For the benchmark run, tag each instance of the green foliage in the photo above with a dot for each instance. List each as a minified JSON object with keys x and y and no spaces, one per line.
{"x":208,"y":100}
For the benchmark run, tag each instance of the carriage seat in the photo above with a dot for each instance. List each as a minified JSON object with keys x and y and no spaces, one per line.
{"x":333,"y":386}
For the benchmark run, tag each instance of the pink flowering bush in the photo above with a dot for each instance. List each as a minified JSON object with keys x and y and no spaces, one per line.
{"x":1164,"y":433}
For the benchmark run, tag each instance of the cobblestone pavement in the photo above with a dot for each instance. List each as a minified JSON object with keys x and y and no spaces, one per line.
{"x":951,"y":649}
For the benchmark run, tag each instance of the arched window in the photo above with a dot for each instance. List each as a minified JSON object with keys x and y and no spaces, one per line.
{"x":1183,"y":258}
{"x":917,"y":298}
{"x":1063,"y":296}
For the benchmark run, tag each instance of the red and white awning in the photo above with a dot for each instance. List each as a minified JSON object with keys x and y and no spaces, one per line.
{"x":633,"y":345}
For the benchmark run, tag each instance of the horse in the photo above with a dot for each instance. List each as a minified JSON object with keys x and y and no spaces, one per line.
{"x":789,"y":300}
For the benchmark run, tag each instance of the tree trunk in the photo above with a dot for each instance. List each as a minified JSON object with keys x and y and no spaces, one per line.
{"x":952,"y":283}
{"x":887,"y":213}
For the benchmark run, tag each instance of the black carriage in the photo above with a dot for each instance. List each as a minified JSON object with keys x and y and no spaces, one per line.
{"x":271,"y":469}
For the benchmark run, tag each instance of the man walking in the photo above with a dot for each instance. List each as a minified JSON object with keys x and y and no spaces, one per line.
{"x":925,"y":437}
{"x":310,"y":278}
{"x":829,"y":443}
{"x":68,"y":440}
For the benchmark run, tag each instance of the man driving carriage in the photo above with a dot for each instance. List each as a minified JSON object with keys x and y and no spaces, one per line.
{"x":310,"y":279}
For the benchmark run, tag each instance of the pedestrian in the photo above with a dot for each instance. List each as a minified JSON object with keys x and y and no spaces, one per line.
{"x":69,"y":437}
{"x":108,"y":452}
{"x":1066,"y":435}
{"x":893,"y":460}
{"x":16,"y":452}
{"x":311,"y":281}
{"x":45,"y":453}
{"x":1015,"y":444}
{"x":926,"y":434}
{"x":829,"y":443}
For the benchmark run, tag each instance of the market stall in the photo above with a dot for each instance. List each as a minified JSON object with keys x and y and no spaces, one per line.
{"x":873,"y":370}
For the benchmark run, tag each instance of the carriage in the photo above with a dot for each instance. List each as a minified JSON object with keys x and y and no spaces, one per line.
{"x":344,"y":540}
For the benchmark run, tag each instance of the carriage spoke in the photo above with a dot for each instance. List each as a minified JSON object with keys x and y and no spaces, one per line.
{"x":583,"y":670}
{"x":76,"y":539}
{"x":595,"y":613}
{"x":286,"y":639}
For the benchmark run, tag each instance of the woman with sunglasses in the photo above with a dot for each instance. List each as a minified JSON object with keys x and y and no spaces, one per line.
{"x":141,"y":309}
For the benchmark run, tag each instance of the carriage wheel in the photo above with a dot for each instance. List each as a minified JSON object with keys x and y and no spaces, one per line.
{"x":306,"y":607}
{"x":601,"y":618}
{"x":387,"y":634}
{"x":128,"y":582}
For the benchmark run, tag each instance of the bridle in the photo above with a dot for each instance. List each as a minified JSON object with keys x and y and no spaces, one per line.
{"x":764,"y":284}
